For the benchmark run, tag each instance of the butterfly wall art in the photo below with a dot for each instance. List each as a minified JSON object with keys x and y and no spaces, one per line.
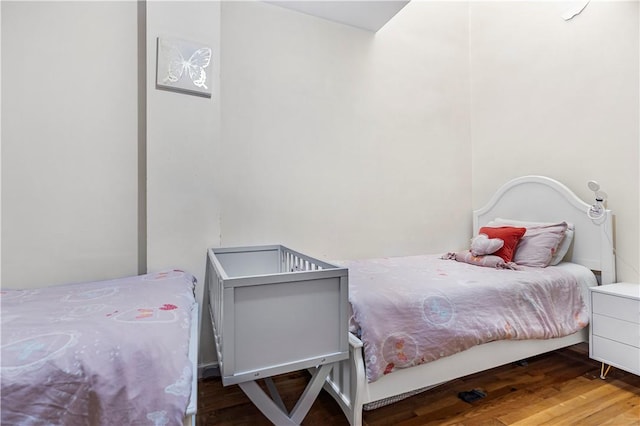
{"x":183,"y":66}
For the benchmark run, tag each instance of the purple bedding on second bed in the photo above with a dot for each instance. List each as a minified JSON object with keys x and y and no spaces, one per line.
{"x":109,"y":353}
{"x":416,"y":309}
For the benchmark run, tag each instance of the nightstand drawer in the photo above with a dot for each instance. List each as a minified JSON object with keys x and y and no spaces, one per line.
{"x":617,"y":307}
{"x":617,"y":354}
{"x":617,"y":330}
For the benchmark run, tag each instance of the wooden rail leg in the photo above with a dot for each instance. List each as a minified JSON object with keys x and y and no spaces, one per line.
{"x":269,"y":408}
{"x":310,"y":393}
{"x":603,"y":373}
{"x":274,"y":409}
{"x":275,"y":395}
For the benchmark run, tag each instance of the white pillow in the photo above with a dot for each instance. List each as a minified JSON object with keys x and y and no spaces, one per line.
{"x":482,"y":245}
{"x":565,"y":242}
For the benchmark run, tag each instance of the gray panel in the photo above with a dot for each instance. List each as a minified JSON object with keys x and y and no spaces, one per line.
{"x":283,"y":323}
{"x":242,"y":264}
{"x":268,"y":322}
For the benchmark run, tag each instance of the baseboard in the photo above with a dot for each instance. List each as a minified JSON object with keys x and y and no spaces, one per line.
{"x":211,"y":369}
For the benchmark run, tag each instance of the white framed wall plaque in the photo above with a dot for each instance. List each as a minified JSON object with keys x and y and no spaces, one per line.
{"x":183,"y":66}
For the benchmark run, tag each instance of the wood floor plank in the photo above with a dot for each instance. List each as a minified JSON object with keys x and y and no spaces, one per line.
{"x":622,"y":411}
{"x":629,"y":417}
{"x":561,"y":387}
{"x":573,"y":405}
{"x":514,"y":411}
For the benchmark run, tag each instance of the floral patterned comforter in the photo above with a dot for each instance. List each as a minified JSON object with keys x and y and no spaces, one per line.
{"x":416,"y":309}
{"x":101,"y":353}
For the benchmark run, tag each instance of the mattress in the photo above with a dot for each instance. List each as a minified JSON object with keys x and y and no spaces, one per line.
{"x":412,"y":310}
{"x":103,"y":353}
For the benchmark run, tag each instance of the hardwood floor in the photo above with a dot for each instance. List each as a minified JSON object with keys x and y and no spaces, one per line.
{"x":559,"y":388}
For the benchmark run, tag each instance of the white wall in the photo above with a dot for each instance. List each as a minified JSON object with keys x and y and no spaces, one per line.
{"x":70,"y":145}
{"x":69,"y":138}
{"x":332,"y":140}
{"x":343,"y":143}
{"x":183,"y":137}
{"x":559,"y":99}
{"x":0,"y":148}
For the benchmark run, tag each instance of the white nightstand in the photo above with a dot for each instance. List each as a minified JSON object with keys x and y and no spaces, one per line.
{"x":614,"y":336}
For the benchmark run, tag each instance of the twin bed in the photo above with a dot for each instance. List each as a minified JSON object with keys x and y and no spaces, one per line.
{"x":446,"y":295}
{"x":111,"y":352}
{"x":126,"y":349}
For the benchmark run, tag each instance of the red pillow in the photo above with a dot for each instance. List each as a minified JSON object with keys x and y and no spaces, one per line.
{"x":511,"y":237}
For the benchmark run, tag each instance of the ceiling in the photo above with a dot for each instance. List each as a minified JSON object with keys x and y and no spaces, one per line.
{"x":369,"y":15}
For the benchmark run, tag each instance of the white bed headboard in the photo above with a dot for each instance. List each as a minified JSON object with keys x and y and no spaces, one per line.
{"x":542,"y":199}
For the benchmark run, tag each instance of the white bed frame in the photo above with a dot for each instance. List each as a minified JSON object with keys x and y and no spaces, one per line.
{"x":192,"y":407}
{"x":528,"y":198}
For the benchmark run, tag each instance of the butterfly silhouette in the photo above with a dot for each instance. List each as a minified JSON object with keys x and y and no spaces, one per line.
{"x":193,"y":67}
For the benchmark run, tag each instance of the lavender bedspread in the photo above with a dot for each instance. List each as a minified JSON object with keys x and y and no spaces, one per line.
{"x":101,"y":353}
{"x":416,"y":309}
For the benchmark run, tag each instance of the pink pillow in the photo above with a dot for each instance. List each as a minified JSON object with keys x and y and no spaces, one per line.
{"x":565,"y":242}
{"x":510,"y":235}
{"x":539,"y":244}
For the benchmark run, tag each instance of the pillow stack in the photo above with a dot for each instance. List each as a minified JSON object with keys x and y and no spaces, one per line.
{"x":509,"y":234}
{"x":534,"y":244}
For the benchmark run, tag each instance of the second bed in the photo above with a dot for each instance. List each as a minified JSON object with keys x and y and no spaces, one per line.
{"x":419,"y":321}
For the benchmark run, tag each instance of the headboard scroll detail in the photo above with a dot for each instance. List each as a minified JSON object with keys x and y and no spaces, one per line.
{"x":542,"y":199}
